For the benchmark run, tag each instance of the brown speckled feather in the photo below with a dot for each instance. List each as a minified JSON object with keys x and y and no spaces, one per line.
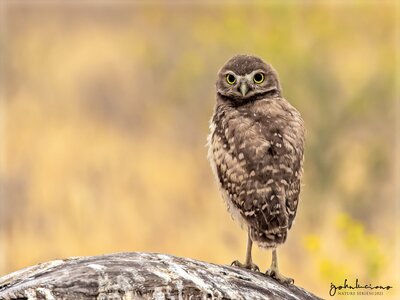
{"x":256,"y":149}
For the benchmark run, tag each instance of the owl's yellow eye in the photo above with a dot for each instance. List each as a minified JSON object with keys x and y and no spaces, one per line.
{"x":230,"y":79}
{"x":258,"y":78}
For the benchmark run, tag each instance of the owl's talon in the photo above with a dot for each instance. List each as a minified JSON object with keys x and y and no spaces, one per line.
{"x":254,"y":268}
{"x":249,"y":266}
{"x":275,"y":274}
{"x":236,"y":263}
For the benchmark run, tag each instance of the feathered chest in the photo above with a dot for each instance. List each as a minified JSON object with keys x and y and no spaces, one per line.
{"x":265,"y":130}
{"x":256,"y":153}
{"x":253,"y":146}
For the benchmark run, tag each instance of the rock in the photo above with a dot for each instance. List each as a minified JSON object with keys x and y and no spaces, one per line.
{"x":142,"y":276}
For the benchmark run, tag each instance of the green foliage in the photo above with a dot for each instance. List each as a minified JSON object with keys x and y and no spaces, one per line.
{"x":365,"y":245}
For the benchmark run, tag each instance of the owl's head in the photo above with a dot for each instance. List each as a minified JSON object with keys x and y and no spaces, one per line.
{"x":244,"y":78}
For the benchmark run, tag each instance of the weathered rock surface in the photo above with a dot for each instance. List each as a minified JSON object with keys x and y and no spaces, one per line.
{"x":142,"y":276}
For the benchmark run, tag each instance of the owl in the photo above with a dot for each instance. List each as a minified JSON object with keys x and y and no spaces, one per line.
{"x":256,"y":151}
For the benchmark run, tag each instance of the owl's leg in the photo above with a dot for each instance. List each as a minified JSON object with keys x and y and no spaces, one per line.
{"x":273,"y":271}
{"x":249,"y":260}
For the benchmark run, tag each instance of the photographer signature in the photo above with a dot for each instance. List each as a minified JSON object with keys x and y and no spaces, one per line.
{"x":357,"y":285}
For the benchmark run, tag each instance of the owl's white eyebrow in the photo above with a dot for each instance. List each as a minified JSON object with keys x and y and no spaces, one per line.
{"x":230,"y":72}
{"x":253,"y":72}
{"x":257,"y":71}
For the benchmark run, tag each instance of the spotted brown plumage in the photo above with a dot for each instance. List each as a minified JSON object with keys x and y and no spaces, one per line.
{"x":256,"y":150}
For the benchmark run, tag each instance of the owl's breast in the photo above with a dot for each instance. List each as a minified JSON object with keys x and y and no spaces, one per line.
{"x":254,"y":138}
{"x":256,"y":154}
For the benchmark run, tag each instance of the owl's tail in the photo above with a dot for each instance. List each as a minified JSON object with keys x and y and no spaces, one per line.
{"x":268,"y":239}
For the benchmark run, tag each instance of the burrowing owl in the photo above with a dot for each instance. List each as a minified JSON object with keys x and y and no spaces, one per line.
{"x":256,"y":150}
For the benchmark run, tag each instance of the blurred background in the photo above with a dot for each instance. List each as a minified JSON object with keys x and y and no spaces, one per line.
{"x":105,"y":115}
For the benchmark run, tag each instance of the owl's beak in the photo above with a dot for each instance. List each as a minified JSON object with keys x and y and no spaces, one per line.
{"x":244,"y":88}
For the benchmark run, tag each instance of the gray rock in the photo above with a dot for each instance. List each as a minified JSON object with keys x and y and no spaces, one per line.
{"x":142,"y":276}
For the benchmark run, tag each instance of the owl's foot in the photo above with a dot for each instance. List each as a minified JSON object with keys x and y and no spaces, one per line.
{"x":250,"y":266}
{"x":274,"y":273}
